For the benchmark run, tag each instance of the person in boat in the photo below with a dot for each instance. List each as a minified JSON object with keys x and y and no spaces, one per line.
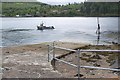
{"x":42,"y":24}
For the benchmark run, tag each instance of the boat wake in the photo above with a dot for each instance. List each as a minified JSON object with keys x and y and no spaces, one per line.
{"x":14,"y":30}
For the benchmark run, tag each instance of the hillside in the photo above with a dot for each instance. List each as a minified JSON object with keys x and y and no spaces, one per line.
{"x":37,"y":9}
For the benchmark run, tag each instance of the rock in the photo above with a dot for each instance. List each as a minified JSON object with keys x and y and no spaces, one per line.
{"x":7,"y":52}
{"x":114,"y":43}
{"x":81,"y":75}
{"x":6,"y":69}
{"x":96,"y":56}
{"x":92,"y":74}
{"x":97,"y":65}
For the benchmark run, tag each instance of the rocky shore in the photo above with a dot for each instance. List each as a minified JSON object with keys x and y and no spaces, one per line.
{"x":30,"y":61}
{"x":97,"y":59}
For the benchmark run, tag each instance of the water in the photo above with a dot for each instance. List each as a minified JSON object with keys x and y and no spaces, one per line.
{"x":21,"y":31}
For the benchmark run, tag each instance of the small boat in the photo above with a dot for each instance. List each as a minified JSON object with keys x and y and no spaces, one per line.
{"x":42,"y":27}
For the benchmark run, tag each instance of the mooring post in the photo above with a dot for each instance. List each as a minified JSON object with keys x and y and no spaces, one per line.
{"x":48,"y":53}
{"x":78,"y":59}
{"x":54,"y":55}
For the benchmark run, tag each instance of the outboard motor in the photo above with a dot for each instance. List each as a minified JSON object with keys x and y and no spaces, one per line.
{"x":53,"y":27}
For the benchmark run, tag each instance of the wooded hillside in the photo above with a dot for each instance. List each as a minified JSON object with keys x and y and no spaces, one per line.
{"x":36,"y":9}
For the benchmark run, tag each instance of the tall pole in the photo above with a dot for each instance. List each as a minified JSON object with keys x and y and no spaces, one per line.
{"x":98,"y":31}
{"x":97,"y":20}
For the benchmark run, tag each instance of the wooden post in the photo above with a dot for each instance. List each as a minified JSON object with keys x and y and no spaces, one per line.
{"x":78,"y":59}
{"x":54,"y":57}
{"x":48,"y":53}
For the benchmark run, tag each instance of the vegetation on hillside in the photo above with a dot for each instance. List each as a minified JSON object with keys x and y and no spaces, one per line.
{"x":36,"y":9}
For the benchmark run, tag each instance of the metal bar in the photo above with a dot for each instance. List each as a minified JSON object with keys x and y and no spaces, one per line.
{"x":100,"y":50}
{"x":65,"y":62}
{"x":50,"y":51}
{"x":78,"y":58}
{"x":87,"y":50}
{"x":92,"y":67}
{"x":65,"y":49}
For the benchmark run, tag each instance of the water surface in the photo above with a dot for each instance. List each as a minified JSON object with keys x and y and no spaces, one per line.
{"x":21,"y":31}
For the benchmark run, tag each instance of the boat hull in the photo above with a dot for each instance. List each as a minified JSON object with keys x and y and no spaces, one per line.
{"x":44,"y":27}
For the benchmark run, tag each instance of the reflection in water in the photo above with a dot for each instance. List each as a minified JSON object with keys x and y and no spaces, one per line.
{"x":98,"y":38}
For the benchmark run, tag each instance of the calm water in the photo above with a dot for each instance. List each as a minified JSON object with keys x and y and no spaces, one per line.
{"x":21,"y":31}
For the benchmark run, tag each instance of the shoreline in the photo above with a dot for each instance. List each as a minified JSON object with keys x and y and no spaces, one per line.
{"x":64,"y":41}
{"x":33,"y":59}
{"x":47,"y":43}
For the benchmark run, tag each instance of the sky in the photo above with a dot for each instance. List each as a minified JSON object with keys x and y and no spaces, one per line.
{"x":103,"y":0}
{"x":60,"y":2}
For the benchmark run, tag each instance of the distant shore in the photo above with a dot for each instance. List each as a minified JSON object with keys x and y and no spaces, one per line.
{"x":117,"y":15}
{"x":30,"y":61}
{"x":38,"y":9}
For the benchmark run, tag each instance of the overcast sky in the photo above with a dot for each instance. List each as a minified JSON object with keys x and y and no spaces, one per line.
{"x":60,"y":2}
